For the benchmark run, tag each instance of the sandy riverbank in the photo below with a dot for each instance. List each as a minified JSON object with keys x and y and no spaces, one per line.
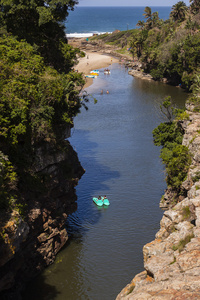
{"x":92,"y":60}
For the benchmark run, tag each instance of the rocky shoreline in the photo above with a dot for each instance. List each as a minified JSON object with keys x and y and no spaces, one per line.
{"x":172,"y":260}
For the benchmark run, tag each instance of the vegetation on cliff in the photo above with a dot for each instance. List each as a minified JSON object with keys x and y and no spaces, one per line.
{"x":39,"y":91}
{"x":174,"y":155}
{"x":170,"y":48}
{"x":167,"y":49}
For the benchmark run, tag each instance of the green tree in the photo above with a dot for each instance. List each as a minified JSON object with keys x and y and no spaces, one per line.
{"x":37,"y":107}
{"x":137,"y":42}
{"x":174,"y":155}
{"x":155,"y":19}
{"x":191,"y":25}
{"x":195,"y":6}
{"x":8,"y":182}
{"x":40,"y":23}
{"x":177,"y":160}
{"x":37,"y":103}
{"x":140,"y":24}
{"x":167,"y":108}
{"x":179,"y":11}
{"x":148,"y":16}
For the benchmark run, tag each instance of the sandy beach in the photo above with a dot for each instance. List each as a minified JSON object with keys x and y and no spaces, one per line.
{"x":92,"y":60}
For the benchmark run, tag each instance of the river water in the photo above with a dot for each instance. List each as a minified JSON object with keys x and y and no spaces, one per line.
{"x":114,"y":143}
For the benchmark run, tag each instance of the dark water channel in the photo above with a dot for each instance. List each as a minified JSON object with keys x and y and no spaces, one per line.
{"x":115,"y":146}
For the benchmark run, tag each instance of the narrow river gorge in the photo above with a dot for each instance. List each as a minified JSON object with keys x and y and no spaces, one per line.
{"x":114,"y":143}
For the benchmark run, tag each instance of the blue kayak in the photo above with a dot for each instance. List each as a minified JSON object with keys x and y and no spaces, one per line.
{"x":101,"y":202}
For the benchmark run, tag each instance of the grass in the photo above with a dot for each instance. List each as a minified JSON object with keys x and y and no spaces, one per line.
{"x":196,"y":177}
{"x":180,"y":246}
{"x":186,"y":212}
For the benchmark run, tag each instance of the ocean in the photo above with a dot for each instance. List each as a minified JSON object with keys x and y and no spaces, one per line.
{"x":85,"y":21}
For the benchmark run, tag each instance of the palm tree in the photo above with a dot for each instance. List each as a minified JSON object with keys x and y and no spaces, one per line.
{"x":148,"y":15}
{"x":155,"y":18}
{"x":179,"y":11}
{"x":147,"y":12}
{"x":195,"y":6}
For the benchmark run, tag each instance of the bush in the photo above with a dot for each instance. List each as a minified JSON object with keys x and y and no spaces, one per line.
{"x":8,"y":181}
{"x":174,"y":155}
{"x":177,"y":161}
{"x":167,"y":132}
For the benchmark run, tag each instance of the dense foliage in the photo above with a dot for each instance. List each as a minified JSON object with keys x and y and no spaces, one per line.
{"x":40,"y":24}
{"x":35,"y":99}
{"x":174,"y":155}
{"x":37,"y":103}
{"x":170,"y":48}
{"x":39,"y":91}
{"x":8,"y":182}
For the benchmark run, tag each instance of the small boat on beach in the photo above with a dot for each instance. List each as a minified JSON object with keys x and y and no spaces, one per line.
{"x":94,"y":72}
{"x":90,"y":76}
{"x":101,"y":202}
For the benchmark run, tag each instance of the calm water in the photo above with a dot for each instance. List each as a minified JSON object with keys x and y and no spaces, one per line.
{"x":114,"y":143}
{"x":88,"y":20}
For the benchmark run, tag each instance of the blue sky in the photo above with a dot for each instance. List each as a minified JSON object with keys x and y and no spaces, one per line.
{"x":129,"y":2}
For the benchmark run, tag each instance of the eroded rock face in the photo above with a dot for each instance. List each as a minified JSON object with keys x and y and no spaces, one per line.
{"x":172,"y":260}
{"x":30,"y":244}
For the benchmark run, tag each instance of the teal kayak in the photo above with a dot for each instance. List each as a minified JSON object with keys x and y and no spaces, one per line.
{"x":105,"y":201}
{"x":101,"y":202}
{"x":97,"y":201}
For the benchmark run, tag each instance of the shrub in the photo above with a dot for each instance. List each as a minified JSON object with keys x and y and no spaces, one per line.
{"x":177,"y":161}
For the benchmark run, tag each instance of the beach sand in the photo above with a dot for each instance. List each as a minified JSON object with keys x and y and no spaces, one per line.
{"x":93,"y":61}
{"x":95,"y":57}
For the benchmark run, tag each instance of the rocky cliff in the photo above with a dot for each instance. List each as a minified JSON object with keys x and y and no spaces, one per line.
{"x":172,"y":260}
{"x":30,"y":241}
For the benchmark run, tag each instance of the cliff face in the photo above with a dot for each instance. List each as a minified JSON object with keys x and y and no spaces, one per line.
{"x":172,"y":260}
{"x":30,"y":243}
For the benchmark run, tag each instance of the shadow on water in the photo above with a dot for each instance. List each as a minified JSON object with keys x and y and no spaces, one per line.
{"x":57,"y":278}
{"x":45,"y":291}
{"x":96,"y":175}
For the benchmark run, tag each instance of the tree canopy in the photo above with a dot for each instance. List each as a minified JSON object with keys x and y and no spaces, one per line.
{"x":37,"y":106}
{"x":40,"y":24}
{"x":39,"y":91}
{"x":179,"y":11}
{"x":170,"y":49}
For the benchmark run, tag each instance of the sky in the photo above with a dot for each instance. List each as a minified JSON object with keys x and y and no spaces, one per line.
{"x":129,"y":2}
